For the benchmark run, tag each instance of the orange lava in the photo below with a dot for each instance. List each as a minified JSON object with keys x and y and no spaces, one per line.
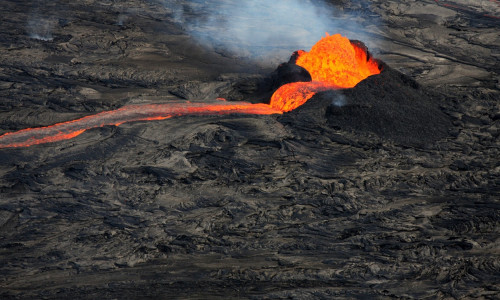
{"x":293,"y":95}
{"x":333,"y":63}
{"x":131,"y":113}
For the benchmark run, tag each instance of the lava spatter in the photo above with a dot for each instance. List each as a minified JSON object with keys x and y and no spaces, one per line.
{"x":336,"y":61}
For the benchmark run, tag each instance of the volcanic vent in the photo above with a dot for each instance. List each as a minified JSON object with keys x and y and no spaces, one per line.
{"x":333,"y":64}
{"x":342,"y":94}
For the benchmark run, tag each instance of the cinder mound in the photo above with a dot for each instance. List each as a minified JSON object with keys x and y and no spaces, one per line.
{"x":389,"y":104}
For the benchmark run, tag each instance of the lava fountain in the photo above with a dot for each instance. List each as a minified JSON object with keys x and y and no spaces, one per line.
{"x":333,"y":63}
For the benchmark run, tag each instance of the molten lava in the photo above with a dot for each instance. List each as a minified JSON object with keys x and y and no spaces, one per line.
{"x":130,"y":113}
{"x":290,"y":96}
{"x":334,"y":62}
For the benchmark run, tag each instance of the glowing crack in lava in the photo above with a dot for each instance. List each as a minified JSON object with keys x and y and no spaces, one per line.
{"x":334,"y":62}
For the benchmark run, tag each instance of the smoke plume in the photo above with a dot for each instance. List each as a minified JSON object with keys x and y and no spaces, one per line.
{"x":260,"y":29}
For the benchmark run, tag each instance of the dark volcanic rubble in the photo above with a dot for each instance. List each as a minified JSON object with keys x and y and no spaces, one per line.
{"x":386,"y":190}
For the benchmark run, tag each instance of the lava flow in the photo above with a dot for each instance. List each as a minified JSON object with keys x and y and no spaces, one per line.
{"x":129,"y":113}
{"x":334,"y":63}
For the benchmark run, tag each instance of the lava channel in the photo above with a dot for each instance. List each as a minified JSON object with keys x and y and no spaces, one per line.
{"x":334,"y":63}
{"x":130,"y":113}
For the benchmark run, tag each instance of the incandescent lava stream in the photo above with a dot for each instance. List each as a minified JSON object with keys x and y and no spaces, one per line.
{"x":129,"y":113}
{"x":333,"y":63}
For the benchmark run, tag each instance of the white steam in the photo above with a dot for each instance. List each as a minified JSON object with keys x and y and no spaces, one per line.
{"x":339,"y":100}
{"x":40,"y":28}
{"x":258,"y":29}
{"x":122,"y":18}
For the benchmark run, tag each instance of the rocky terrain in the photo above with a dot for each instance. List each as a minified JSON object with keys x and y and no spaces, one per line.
{"x":387,"y":190}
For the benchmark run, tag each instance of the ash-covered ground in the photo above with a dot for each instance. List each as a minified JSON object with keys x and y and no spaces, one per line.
{"x":387,"y":190}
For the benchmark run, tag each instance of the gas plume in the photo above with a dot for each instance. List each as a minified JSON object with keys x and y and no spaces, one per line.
{"x":266,"y":31}
{"x":40,"y":27}
{"x":338,"y":100}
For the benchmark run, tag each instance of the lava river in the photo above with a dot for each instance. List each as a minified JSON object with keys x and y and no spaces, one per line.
{"x":334,"y":63}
